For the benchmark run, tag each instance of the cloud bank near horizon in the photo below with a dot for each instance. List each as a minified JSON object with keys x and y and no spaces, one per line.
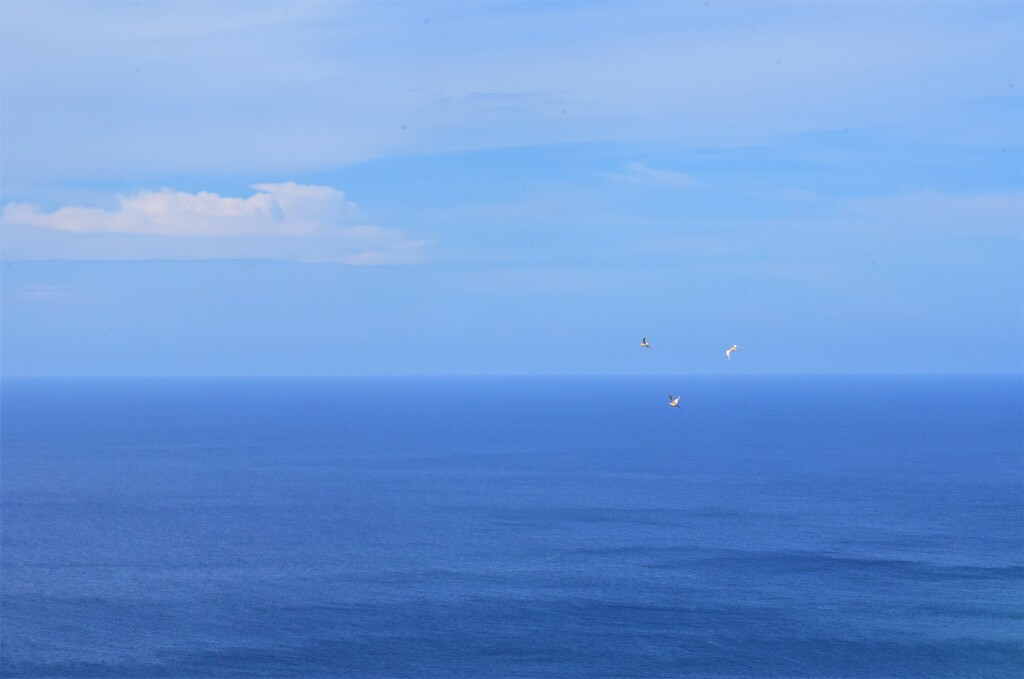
{"x":279,"y":221}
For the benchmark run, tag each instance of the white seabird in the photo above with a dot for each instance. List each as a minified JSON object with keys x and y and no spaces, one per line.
{"x":673,"y":401}
{"x":644,"y":343}
{"x":728,"y":352}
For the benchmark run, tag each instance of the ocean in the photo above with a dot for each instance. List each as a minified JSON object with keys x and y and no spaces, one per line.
{"x":810,"y":527}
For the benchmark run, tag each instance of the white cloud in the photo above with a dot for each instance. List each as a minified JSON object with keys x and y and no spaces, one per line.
{"x":287,"y":209}
{"x":279,"y":221}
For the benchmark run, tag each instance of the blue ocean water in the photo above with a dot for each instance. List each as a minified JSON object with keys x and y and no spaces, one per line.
{"x":515,"y":527}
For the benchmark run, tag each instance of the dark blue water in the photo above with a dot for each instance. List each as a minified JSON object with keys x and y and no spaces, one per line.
{"x":772,"y":527}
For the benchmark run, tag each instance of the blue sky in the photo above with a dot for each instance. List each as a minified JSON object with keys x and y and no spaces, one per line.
{"x":527,"y":188}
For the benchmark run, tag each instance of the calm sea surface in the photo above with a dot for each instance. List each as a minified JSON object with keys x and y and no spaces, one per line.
{"x":519,"y":527}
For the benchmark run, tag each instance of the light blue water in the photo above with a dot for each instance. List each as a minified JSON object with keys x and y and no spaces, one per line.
{"x":772,"y":527}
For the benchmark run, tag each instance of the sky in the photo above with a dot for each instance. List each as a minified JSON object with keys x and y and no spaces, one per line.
{"x":464,"y":188}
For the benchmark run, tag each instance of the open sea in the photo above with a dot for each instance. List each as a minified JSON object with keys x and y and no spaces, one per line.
{"x":513,"y":527}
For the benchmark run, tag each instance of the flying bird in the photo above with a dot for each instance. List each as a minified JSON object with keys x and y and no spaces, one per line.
{"x":644,"y":343}
{"x":728,"y":352}
{"x":673,"y":401}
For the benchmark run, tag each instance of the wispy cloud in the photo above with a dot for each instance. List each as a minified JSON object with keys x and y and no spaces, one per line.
{"x":42,"y":292}
{"x":285,"y":220}
{"x":270,"y":87}
{"x":931,"y":212}
{"x":644,"y":174}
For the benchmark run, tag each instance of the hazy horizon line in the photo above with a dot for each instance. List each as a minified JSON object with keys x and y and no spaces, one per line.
{"x":364,"y":376}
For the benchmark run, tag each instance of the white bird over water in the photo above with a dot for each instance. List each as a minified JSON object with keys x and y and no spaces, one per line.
{"x":728,"y":352}
{"x":673,"y":401}
{"x":644,"y":343}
